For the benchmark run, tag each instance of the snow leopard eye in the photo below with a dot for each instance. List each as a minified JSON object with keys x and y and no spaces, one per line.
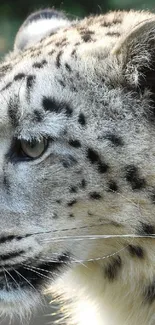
{"x":34,"y":148}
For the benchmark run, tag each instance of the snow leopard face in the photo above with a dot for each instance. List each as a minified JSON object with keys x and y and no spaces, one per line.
{"x":77,"y":148}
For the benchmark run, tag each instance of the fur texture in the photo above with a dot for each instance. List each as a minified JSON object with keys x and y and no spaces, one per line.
{"x":77,"y":160}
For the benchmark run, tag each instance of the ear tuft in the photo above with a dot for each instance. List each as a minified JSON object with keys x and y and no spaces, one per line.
{"x":38,"y":25}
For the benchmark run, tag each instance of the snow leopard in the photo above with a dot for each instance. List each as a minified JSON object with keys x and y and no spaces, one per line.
{"x":77,"y":168}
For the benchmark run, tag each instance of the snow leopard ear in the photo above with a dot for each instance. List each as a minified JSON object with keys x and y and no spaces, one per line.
{"x":38,"y":25}
{"x":136,"y":53}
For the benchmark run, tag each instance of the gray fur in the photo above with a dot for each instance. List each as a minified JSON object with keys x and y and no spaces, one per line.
{"x":89,"y":91}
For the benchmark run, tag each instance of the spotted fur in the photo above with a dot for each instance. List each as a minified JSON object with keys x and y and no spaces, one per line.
{"x":77,"y":159}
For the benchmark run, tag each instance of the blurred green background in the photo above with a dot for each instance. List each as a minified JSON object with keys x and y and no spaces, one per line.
{"x":13,"y":12}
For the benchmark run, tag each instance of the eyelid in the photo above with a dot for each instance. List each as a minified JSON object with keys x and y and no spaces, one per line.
{"x":17,"y":155}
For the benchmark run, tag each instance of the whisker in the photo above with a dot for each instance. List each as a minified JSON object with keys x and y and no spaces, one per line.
{"x":11,"y":277}
{"x":41,"y":275}
{"x":67,"y":229}
{"x":94,"y":237}
{"x":38,"y":268}
{"x":31,"y":285}
{"x":6,"y":281}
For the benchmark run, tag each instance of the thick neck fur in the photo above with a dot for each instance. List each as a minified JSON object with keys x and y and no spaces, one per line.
{"x":116,"y":290}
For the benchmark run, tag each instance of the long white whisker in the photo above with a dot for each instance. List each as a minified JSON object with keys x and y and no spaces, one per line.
{"x":31,"y":285}
{"x":42,"y":275}
{"x":94,"y":237}
{"x":11,"y":277}
{"x":6,"y":281}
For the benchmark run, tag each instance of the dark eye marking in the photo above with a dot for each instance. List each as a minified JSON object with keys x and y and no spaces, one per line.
{"x":51,"y":105}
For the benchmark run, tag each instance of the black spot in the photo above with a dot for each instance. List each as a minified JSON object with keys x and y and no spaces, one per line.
{"x":75,"y":143}
{"x":30,"y":81}
{"x":82,"y":119}
{"x":68,"y":67}
{"x":61,"y":83}
{"x":113,"y":34}
{"x":86,"y":37}
{"x":58,"y":201}
{"x":149,"y":293}
{"x":106,"y":24}
{"x":19,"y":76}
{"x":146,"y":229}
{"x":95,"y":196}
{"x":39,"y":65}
{"x":73,"y":53}
{"x":83,"y":183}
{"x":58,"y":62}
{"x":111,"y":271}
{"x":113,"y":186}
{"x":52,"y":105}
{"x":71,"y":203}
{"x":115,"y":140}
{"x":102,"y":167}
{"x":132,"y":176}
{"x":73,"y":189}
{"x":55,"y":216}
{"x":92,"y":156}
{"x":58,"y":43}
{"x":111,"y":23}
{"x":136,"y":251}
{"x":51,"y":52}
{"x":71,"y":215}
{"x":38,"y":116}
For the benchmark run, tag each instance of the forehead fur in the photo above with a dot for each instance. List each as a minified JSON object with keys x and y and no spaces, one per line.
{"x":104,"y":32}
